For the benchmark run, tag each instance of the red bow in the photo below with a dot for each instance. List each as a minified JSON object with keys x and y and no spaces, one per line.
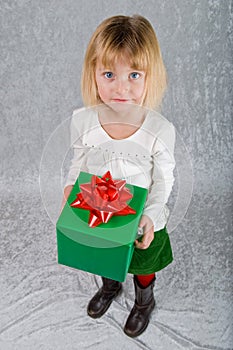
{"x":104,"y":197}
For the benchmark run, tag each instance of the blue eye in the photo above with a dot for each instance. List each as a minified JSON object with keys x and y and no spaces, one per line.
{"x":134,"y":75}
{"x":108,"y":75}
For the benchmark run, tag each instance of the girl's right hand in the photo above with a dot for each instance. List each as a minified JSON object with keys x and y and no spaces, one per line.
{"x":148,"y":228}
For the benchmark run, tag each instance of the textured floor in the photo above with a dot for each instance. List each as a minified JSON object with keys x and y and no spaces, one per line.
{"x":43,"y":304}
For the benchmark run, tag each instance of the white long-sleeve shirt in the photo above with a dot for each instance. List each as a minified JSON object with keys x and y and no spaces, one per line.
{"x":145,"y":159}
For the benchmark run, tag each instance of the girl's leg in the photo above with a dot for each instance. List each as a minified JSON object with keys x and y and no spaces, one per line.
{"x":101,"y":301}
{"x":145,"y":280}
{"x":144,"y":304}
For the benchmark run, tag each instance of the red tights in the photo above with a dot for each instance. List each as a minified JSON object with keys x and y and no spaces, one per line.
{"x":145,"y":280}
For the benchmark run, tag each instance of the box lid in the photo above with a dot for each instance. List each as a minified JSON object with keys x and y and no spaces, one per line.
{"x":120,"y":230}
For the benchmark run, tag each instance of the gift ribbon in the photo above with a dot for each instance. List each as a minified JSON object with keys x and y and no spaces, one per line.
{"x":104,"y":197}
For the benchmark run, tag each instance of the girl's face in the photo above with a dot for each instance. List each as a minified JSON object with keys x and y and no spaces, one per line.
{"x":120,"y":84}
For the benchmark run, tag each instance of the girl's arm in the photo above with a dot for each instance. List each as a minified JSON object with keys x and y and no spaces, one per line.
{"x":162,"y":176}
{"x":162,"y":181}
{"x":66,"y":194}
{"x":78,"y":151}
{"x":77,"y":160}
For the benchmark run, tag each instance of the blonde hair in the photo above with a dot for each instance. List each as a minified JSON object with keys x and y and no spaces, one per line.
{"x":119,"y":36}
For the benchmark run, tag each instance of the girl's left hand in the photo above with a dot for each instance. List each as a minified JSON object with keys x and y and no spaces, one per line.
{"x":148,"y":233}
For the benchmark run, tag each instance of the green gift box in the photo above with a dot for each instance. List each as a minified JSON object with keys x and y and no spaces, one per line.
{"x":105,"y":250}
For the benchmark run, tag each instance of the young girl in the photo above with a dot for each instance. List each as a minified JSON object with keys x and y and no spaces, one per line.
{"x":124,"y":76}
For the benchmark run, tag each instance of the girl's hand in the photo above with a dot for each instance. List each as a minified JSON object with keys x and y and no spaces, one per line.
{"x":148,"y":233}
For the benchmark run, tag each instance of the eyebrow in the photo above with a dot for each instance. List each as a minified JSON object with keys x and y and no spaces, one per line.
{"x":108,"y":69}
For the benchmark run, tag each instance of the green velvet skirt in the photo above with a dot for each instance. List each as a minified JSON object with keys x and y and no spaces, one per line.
{"x":155,"y":258}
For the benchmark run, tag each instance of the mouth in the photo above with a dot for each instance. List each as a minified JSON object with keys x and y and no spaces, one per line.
{"x":120,"y":100}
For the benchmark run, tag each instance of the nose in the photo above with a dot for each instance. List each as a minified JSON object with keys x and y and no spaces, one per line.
{"x":121,"y":85}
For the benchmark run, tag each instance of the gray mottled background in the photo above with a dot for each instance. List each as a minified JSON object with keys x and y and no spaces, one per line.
{"x":42,"y":304}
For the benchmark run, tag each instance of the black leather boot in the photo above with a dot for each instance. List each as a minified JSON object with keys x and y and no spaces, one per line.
{"x":139,"y":316}
{"x":101,"y":301}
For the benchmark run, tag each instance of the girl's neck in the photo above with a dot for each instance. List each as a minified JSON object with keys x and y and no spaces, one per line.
{"x":122,"y":123}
